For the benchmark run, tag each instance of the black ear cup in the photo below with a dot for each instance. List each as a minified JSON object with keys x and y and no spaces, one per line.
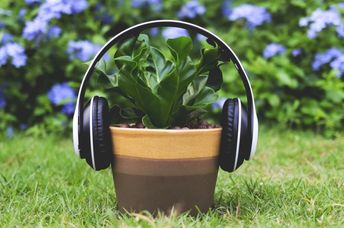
{"x":229,"y":136}
{"x":244,"y":144}
{"x":97,"y":146}
{"x":234,"y":142}
{"x":244,"y":149}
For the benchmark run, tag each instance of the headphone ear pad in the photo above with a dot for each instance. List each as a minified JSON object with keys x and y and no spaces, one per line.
{"x":229,"y":122}
{"x":96,"y":146}
{"x":102,"y":142}
{"x":244,"y":149}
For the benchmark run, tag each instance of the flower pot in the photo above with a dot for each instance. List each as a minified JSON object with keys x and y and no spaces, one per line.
{"x":157,"y":170}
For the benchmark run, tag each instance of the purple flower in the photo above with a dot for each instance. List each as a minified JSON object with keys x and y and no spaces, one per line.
{"x":77,"y":6}
{"x":35,"y":29}
{"x":39,"y":29}
{"x":155,"y":4}
{"x":21,"y":14}
{"x":338,"y":64}
{"x":62,"y":94}
{"x":10,"y":132}
{"x":50,"y":9}
{"x":340,"y":30}
{"x":2,"y":100}
{"x":31,"y":2}
{"x":219,"y":103}
{"x":54,"y":31}
{"x":68,"y":108}
{"x":3,"y":56}
{"x":191,"y":10}
{"x":172,"y":32}
{"x":296,"y":52}
{"x":106,"y":18}
{"x":272,"y":50}
{"x":321,"y":59}
{"x":83,"y":50}
{"x":6,"y":38}
{"x":254,"y":15}
{"x":333,"y":57}
{"x":154,"y":31}
{"x":227,"y":8}
{"x":99,"y":6}
{"x":102,"y":14}
{"x":320,"y":20}
{"x":23,"y":126}
{"x":54,"y":9}
{"x":15,"y":51}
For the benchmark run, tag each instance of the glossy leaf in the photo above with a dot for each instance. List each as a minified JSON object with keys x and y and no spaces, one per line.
{"x":165,"y":90}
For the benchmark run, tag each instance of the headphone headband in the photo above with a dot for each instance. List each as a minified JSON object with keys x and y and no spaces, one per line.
{"x":135,"y":30}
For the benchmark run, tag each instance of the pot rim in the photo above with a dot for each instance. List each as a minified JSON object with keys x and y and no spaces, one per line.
{"x":174,"y":131}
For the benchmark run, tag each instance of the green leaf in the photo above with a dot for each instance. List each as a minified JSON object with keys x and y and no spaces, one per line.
{"x":208,"y":60}
{"x":159,"y":67}
{"x":194,"y":88}
{"x":215,"y":78}
{"x":107,"y":72}
{"x":273,"y":100}
{"x":206,"y":96}
{"x":147,"y":122}
{"x":144,"y":98}
{"x":180,"y":47}
{"x":286,"y":79}
{"x":299,"y":3}
{"x":126,"y":48}
{"x":123,"y":114}
{"x":172,"y":87}
{"x":125,"y":61}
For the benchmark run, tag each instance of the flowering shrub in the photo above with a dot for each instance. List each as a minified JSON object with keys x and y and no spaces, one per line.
{"x":320,"y":19}
{"x":332,"y":56}
{"x":83,"y":50}
{"x":62,"y":94}
{"x":292,"y":51}
{"x":191,"y":9}
{"x":14,"y":51}
{"x":272,"y":50}
{"x":254,"y":15}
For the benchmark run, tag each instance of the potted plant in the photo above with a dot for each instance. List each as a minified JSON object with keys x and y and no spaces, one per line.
{"x":165,"y":154}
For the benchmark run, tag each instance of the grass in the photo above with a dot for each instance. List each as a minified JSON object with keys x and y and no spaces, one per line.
{"x":296,"y":179}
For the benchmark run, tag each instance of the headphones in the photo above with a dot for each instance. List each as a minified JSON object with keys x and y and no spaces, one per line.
{"x":91,"y":133}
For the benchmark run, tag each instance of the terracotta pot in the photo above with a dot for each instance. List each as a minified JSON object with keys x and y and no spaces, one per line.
{"x":157,"y":170}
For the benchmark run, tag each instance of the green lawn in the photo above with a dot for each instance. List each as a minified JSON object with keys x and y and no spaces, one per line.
{"x":296,"y":179}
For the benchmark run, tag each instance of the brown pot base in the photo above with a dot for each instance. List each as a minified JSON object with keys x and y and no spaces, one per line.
{"x":159,"y":185}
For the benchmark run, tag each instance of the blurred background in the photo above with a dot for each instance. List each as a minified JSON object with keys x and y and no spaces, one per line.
{"x":292,"y":50}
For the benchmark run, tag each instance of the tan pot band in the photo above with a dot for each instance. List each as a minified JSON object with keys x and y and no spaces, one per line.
{"x":166,"y":144}
{"x":164,"y":167}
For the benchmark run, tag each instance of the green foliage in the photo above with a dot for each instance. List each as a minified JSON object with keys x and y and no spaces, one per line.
{"x":163,"y":91}
{"x":287,"y":90}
